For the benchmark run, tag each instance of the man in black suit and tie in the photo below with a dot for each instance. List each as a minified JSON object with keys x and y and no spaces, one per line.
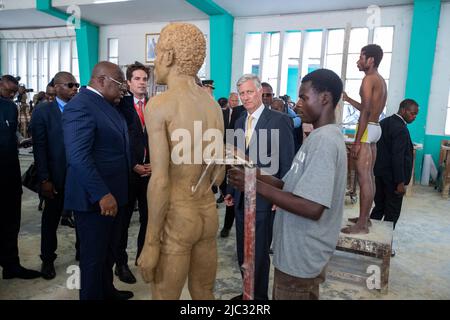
{"x":98,"y":162}
{"x":230,"y":115}
{"x":393,"y":166}
{"x":50,"y":160}
{"x":10,"y":184}
{"x":132,"y":107}
{"x":260,"y":125}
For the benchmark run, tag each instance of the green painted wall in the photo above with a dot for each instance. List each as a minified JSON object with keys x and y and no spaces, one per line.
{"x":420,"y":67}
{"x":87,"y":46}
{"x":221,"y":51}
{"x":207,"y":6}
{"x":221,"y":44}
{"x":87,"y":40}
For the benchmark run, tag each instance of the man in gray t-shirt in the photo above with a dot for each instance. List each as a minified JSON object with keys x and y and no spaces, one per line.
{"x":310,"y":197}
{"x":302,"y":247}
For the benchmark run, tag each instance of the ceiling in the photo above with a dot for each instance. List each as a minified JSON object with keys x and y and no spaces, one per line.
{"x":249,"y":8}
{"x":139,"y":11}
{"x":27,"y":19}
{"x":22,"y":14}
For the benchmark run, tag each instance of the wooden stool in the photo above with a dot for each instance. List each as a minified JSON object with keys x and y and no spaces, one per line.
{"x":377,"y":243}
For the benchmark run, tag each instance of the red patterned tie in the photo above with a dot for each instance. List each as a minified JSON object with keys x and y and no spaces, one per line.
{"x":141,"y":111}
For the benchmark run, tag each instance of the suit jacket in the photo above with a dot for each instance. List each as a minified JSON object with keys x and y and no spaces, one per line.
{"x":48,"y":144}
{"x":97,"y":152}
{"x":394,"y":151}
{"x":269,"y":120}
{"x":138,"y":135}
{"x":9,"y":158}
{"x":237,"y":112}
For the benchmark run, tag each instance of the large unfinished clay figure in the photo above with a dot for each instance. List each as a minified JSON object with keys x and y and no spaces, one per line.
{"x":182,"y":216}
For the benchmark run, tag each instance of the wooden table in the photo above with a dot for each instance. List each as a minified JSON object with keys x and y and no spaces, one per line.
{"x":444,"y":165}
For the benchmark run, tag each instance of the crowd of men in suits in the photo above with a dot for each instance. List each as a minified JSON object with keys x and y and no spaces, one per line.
{"x":92,"y":158}
{"x":62,"y":163}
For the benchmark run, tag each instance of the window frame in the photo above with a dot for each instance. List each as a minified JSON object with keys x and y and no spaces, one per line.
{"x":38,"y":46}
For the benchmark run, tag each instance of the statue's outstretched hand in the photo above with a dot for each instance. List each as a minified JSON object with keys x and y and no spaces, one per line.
{"x":148,"y":259}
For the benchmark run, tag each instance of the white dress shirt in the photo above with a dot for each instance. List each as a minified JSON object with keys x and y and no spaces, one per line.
{"x":255,"y":115}
{"x":93,"y":90}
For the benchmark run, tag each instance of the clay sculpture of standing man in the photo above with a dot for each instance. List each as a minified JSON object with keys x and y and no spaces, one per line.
{"x":182,"y":225}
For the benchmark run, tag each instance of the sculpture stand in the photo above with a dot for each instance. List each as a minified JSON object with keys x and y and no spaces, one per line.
{"x":376,"y":244}
{"x":248,"y":266}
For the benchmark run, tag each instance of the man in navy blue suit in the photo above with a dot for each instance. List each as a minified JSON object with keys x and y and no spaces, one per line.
{"x":50,"y":160}
{"x":260,"y":147}
{"x":98,"y":165}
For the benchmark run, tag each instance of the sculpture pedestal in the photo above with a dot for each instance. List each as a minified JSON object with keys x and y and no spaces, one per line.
{"x":377,"y":244}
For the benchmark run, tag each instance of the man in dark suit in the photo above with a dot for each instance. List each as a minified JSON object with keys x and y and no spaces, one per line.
{"x":259,"y":120}
{"x":98,"y":160}
{"x":230,"y":115}
{"x":50,"y":160}
{"x":132,"y":107}
{"x":10,"y":184}
{"x":393,"y":166}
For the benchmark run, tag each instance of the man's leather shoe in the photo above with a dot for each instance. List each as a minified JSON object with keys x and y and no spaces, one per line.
{"x":68,"y":222}
{"x":224,"y":233}
{"x":48,"y":270}
{"x":124,"y":274}
{"x":238,"y":297}
{"x":20,"y":272}
{"x":120,"y":295}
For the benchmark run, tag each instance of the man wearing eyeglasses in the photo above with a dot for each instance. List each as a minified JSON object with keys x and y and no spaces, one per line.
{"x":10,"y":184}
{"x":50,"y":160}
{"x":98,"y":165}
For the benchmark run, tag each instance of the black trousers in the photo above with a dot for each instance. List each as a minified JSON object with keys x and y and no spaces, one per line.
{"x":137,"y":192}
{"x":263,"y":239}
{"x":229,"y":217}
{"x":387,"y":203}
{"x":10,"y":211}
{"x":51,"y":216}
{"x":10,"y":215}
{"x":229,"y":211}
{"x":96,"y":254}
